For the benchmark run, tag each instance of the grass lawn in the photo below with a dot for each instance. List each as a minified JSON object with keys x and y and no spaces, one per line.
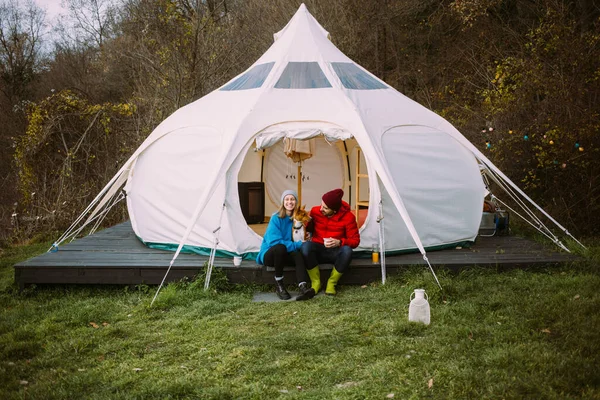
{"x":511,"y":335}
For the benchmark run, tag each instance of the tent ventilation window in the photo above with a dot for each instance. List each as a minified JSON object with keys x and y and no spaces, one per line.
{"x":252,"y":79}
{"x":302,"y":75}
{"x":353,"y":77}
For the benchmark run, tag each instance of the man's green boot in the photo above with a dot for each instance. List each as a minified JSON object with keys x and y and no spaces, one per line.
{"x":332,"y":281}
{"x":315,"y":278}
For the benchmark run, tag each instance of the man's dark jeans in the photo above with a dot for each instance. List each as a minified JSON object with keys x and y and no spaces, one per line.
{"x":315,"y":253}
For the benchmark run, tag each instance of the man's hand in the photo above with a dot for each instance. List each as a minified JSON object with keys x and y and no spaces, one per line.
{"x":331,"y":242}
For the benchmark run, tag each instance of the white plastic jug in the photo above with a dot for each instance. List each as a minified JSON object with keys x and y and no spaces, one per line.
{"x":418,"y":311}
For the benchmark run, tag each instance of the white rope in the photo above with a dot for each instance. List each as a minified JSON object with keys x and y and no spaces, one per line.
{"x":488,"y":163}
{"x":518,"y":200}
{"x":553,"y":239}
{"x":73,"y":234}
{"x":382,"y":243}
{"x":548,"y":233}
{"x":431,"y":268}
{"x":575,"y":239}
{"x":211,"y":259}
{"x":162,"y":282}
{"x":69,"y":230}
{"x":98,"y":217}
{"x":119,"y":196}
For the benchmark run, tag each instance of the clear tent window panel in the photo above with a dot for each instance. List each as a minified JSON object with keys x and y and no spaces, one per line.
{"x":353,"y":77}
{"x":252,"y":79}
{"x":302,"y":75}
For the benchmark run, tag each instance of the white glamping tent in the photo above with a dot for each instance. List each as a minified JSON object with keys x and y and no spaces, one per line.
{"x":420,"y":176}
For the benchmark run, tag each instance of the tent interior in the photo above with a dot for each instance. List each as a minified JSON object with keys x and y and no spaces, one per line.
{"x":330,"y":165}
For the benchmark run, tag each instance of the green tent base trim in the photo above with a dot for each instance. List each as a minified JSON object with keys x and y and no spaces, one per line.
{"x":205,"y":251}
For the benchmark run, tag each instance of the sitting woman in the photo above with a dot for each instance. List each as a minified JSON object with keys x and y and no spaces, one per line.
{"x":278,"y":249}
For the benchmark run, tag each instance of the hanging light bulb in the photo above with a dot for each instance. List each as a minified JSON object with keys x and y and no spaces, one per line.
{"x":526,"y":137}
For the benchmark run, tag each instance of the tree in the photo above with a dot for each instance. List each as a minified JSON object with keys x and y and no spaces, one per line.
{"x":20,"y":41}
{"x":20,"y":65}
{"x":89,"y":23}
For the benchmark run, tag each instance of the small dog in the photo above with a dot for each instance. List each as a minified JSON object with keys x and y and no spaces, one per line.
{"x":301,"y":219}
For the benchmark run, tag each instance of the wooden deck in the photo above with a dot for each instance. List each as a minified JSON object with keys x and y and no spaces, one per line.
{"x":116,"y":256}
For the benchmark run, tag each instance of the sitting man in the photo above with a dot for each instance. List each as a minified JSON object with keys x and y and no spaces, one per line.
{"x":334,"y":235}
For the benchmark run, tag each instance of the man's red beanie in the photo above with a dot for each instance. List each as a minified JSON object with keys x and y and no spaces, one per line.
{"x":333,"y":199}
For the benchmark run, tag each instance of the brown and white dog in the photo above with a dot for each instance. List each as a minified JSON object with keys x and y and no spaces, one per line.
{"x":301,"y":219}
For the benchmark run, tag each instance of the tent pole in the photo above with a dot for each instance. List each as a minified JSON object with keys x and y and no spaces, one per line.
{"x":381,"y":243}
{"x":299,"y":183}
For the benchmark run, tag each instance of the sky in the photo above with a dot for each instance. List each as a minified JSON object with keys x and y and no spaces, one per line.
{"x":52,"y":7}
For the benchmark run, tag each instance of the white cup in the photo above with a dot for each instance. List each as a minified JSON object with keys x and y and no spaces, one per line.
{"x":237,"y":261}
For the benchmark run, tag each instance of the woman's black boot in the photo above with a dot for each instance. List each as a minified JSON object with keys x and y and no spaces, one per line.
{"x":282,"y":293}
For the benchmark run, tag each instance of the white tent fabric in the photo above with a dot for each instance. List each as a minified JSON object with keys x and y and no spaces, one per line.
{"x":182,"y":183}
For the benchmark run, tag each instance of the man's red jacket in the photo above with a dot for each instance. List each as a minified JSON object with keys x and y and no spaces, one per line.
{"x":341,"y":225}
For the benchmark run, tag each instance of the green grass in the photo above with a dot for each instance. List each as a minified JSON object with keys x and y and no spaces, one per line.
{"x":512,"y":335}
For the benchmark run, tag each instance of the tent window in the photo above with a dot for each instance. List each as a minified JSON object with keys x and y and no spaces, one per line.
{"x":252,"y":79}
{"x":353,"y":77}
{"x":302,"y":75}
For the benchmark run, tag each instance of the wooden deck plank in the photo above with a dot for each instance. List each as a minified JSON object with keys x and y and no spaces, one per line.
{"x":116,"y":256}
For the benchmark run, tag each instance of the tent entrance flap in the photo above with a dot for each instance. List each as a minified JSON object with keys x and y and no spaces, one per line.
{"x":300,"y":130}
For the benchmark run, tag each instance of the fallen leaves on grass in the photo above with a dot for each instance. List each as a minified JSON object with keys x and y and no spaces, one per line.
{"x":576,"y":297}
{"x":430,"y":383}
{"x":390,"y":396}
{"x":94,"y":325}
{"x":546,"y":330}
